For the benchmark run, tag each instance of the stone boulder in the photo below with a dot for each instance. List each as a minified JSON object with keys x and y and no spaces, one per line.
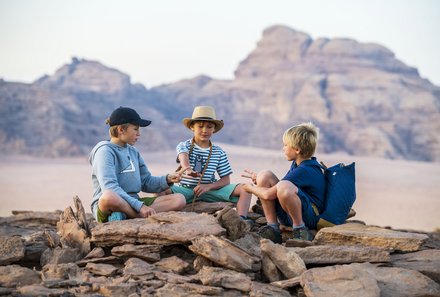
{"x":162,"y":228}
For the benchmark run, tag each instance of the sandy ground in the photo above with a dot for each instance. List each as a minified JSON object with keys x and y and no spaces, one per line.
{"x":396,"y":193}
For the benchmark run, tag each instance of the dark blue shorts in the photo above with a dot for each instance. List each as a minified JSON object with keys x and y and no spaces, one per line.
{"x":309,"y":217}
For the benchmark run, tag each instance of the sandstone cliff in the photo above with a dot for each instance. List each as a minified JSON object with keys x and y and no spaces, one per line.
{"x":365,"y":101}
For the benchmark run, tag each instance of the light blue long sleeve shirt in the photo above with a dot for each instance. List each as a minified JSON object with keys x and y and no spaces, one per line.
{"x":122,"y":170}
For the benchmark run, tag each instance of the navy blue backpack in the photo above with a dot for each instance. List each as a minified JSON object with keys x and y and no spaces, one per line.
{"x":340,"y":194}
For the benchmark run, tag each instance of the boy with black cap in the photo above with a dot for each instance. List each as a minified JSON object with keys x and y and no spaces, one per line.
{"x":119,"y":173}
{"x":202,"y":160}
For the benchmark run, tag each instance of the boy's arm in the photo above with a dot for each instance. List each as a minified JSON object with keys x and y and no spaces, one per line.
{"x":203,"y":188}
{"x":184,"y":162}
{"x":183,"y":159}
{"x":261,"y":192}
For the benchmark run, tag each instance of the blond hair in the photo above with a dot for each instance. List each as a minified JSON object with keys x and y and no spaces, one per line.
{"x":304,"y":137}
{"x":113,"y":130}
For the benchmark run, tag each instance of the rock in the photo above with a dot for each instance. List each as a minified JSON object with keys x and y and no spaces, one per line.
{"x":188,"y":290}
{"x":97,"y":252}
{"x":207,"y":207}
{"x":401,"y":282}
{"x":169,"y":277}
{"x":150,"y":253}
{"x":335,"y":281}
{"x":29,"y":219}
{"x":7,"y":292}
{"x":426,"y":262}
{"x":118,"y":289}
{"x":351,"y":90}
{"x":225,"y":253}
{"x":101,"y":269}
{"x":254,"y":216}
{"x":12,"y":249}
{"x":261,"y":221}
{"x":173,"y":264}
{"x":36,"y":243}
{"x":37,"y":290}
{"x":329,"y":254}
{"x":60,"y":255}
{"x":59,"y":271}
{"x":287,"y":261}
{"x":234,"y":225}
{"x":200,"y":262}
{"x":215,"y":276}
{"x":269,"y":269}
{"x":264,"y":290}
{"x":138,"y":267}
{"x":366,"y":280}
{"x":293,"y":242}
{"x":288,"y":283}
{"x":250,"y":243}
{"x":358,"y":234}
{"x":15,"y":276}
{"x":162,"y":228}
{"x":71,"y":232}
{"x":103,"y":260}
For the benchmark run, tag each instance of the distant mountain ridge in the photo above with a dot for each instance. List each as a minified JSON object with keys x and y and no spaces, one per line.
{"x":365,"y":101}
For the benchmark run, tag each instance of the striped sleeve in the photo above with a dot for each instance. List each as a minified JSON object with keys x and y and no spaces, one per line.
{"x":183,"y":147}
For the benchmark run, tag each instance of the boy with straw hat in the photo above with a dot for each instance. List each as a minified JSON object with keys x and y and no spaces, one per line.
{"x":204,"y":159}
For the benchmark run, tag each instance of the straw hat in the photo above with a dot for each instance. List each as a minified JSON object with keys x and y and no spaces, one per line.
{"x":204,"y":113}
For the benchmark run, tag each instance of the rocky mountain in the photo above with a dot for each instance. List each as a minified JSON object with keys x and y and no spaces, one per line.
{"x":365,"y":101}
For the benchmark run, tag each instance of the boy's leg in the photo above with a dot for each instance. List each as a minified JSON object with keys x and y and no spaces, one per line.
{"x":169,"y":203}
{"x":244,"y":200}
{"x":268,"y":179}
{"x":290,"y":201}
{"x":110,"y":202}
{"x":288,"y":197}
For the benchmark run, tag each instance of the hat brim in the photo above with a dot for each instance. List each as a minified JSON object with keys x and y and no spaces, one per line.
{"x":142,"y":122}
{"x":218,"y":123}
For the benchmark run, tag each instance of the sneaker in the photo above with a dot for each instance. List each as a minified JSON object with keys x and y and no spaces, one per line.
{"x":302,"y":234}
{"x":117,"y":216}
{"x":270,"y":233}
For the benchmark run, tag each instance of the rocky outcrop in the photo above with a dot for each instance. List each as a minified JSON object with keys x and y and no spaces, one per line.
{"x":365,"y":101}
{"x":199,"y":258}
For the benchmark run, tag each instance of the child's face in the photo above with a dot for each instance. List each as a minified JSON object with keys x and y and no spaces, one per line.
{"x":290,"y":152}
{"x":203,"y":130}
{"x":131,"y":135}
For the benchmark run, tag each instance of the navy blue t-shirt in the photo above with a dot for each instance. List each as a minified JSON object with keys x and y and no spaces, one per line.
{"x":308,"y":177}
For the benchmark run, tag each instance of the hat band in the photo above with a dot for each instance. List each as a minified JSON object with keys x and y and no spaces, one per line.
{"x":203,"y":119}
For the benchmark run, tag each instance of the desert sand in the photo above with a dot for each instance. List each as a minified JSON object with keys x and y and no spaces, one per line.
{"x":396,"y":193}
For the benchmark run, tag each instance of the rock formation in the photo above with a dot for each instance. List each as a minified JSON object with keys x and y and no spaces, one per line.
{"x":365,"y":101}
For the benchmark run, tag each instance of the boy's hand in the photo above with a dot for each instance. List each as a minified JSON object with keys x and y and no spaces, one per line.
{"x":250,"y":174}
{"x":201,"y":189}
{"x":146,"y":211}
{"x":247,"y":187}
{"x":191,"y":173}
{"x":175,"y":177}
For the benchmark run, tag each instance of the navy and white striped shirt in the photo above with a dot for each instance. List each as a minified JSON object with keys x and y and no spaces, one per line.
{"x":217,"y":163}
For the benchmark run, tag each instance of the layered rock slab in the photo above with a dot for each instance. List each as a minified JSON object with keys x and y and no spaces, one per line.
{"x":359,"y":234}
{"x":162,"y":228}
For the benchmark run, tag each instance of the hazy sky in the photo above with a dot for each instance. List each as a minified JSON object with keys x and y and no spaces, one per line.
{"x":163,"y":41}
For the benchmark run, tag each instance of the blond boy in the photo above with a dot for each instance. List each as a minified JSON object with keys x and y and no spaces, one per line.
{"x":298,"y":197}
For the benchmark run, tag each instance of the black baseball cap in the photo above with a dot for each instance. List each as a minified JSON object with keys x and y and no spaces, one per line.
{"x":126,"y":115}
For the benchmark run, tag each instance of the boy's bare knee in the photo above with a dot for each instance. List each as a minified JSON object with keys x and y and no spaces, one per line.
{"x":266,"y":178}
{"x":286,"y":189}
{"x":108,"y":198}
{"x":180,"y":201}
